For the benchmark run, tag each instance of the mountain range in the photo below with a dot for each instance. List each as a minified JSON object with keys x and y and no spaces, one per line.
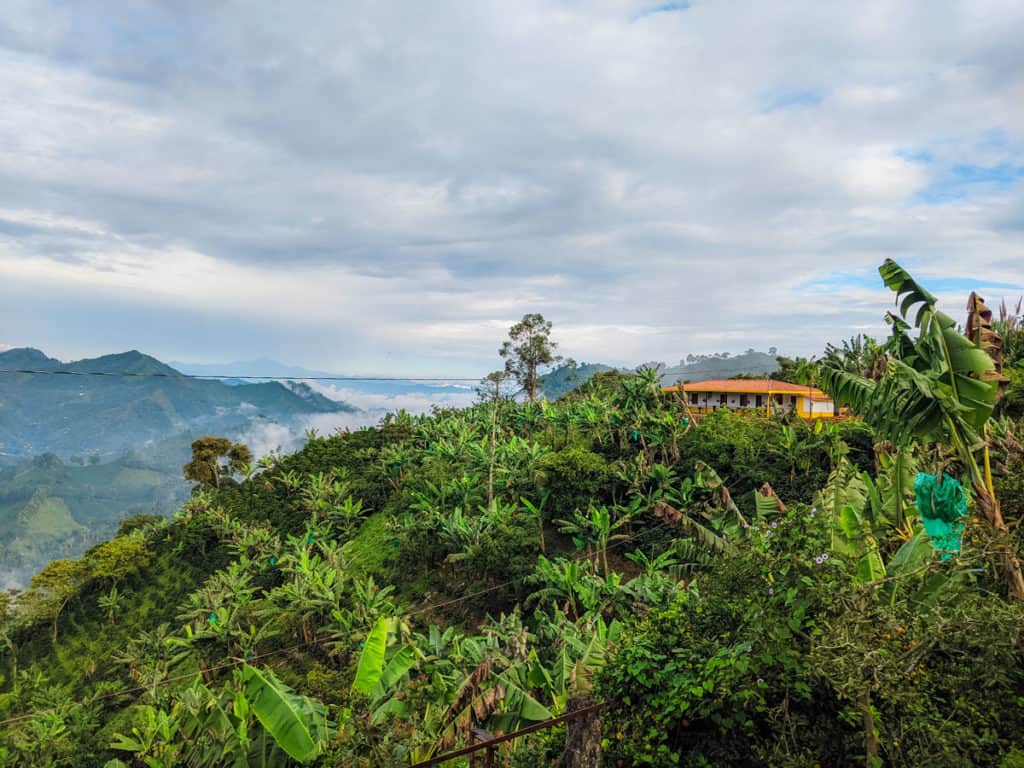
{"x":107,"y":405}
{"x":85,"y":444}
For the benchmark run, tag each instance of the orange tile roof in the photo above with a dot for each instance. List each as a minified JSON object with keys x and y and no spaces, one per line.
{"x":750,"y":387}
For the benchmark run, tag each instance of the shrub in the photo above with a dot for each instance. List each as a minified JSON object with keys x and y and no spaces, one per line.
{"x":777,"y":656}
{"x":574,"y":478}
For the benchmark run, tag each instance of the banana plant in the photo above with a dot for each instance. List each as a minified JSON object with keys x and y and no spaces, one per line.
{"x":597,"y":529}
{"x":560,"y":580}
{"x":111,"y":603}
{"x":650,"y":566}
{"x":153,"y":739}
{"x":705,"y":511}
{"x":254,"y":720}
{"x":939,"y":387}
{"x":891,"y":492}
{"x":583,"y":648}
{"x":856,"y":509}
{"x":298,"y":724}
{"x":537,"y":512}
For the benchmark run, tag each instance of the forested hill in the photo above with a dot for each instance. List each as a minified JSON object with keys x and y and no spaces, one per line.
{"x":73,"y":415}
{"x":720,"y":366}
{"x":734,"y":588}
{"x":566,"y":378}
{"x":363,"y":603}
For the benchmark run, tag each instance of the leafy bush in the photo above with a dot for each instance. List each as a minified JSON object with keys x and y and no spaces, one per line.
{"x":777,"y":657}
{"x":575,"y":478}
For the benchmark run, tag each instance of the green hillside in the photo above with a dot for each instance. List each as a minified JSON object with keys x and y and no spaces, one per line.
{"x":50,"y":509}
{"x":112,"y":446}
{"x":736,"y":589}
{"x":566,"y":378}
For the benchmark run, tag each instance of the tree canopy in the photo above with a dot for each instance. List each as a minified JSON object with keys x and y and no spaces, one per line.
{"x":528,"y":350}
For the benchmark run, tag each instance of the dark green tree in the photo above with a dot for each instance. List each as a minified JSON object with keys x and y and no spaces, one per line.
{"x":215,"y":460}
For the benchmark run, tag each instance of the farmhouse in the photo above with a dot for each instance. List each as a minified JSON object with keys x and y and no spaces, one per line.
{"x":767,"y":394}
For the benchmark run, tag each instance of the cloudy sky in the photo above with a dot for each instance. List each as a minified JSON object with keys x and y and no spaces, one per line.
{"x":385,"y":187}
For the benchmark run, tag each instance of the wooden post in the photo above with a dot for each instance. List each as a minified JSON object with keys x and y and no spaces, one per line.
{"x":480,"y":735}
{"x":582,"y":737}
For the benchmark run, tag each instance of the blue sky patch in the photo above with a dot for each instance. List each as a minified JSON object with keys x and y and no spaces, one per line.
{"x":922,"y":157}
{"x":789,"y":98}
{"x":669,"y":7}
{"x":962,"y":180}
{"x":836,"y":281}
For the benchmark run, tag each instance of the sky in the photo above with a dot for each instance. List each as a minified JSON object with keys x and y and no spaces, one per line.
{"x":386,"y":187}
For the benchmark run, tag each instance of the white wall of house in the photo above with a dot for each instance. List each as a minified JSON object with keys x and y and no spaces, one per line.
{"x":733,"y":401}
{"x":807,"y":405}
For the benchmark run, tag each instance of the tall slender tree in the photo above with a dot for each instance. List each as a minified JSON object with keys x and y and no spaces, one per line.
{"x":529,"y":349}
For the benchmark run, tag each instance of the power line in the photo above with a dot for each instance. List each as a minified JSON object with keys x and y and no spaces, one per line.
{"x":701,"y":370}
{"x":235,"y":661}
{"x":212,"y":376}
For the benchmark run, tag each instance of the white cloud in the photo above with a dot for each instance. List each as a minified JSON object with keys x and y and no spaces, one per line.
{"x":416,"y":402}
{"x":374,"y":189}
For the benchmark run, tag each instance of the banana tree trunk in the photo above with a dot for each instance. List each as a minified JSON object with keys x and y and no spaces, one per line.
{"x":1010,"y":563}
{"x":871,"y":744}
{"x":582,"y":737}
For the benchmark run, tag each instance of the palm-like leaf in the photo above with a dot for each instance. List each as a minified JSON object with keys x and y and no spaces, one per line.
{"x":298,"y":724}
{"x":937,"y":386}
{"x":371,"y":660}
{"x":963,"y":367}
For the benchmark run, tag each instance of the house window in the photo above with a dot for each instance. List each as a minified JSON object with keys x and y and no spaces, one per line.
{"x":723,"y":399}
{"x":758,"y":400}
{"x":693,"y":398}
{"x":744,"y":401}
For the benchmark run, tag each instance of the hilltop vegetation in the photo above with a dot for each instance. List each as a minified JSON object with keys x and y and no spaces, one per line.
{"x":81,"y":453}
{"x":564,"y":379}
{"x":721,"y":366}
{"x":742,"y":590}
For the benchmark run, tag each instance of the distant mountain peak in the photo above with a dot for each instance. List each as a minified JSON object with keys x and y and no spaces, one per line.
{"x":26,"y":357}
{"x":131,"y":361}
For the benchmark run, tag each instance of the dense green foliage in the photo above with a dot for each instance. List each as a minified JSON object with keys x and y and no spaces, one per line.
{"x":741,"y":590}
{"x":116,"y":445}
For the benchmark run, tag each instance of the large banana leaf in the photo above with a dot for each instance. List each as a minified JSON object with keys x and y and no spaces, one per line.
{"x":844,"y":499}
{"x":401,"y":662}
{"x":371,"y":660}
{"x":963,"y":366}
{"x":911,"y":555}
{"x":518,"y":705}
{"x":891,"y":493}
{"x":391,"y":674}
{"x":297,"y":723}
{"x":937,"y":387}
{"x":870,"y":567}
{"x":767,"y":502}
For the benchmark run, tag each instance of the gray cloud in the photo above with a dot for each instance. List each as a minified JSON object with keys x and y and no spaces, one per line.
{"x":386,"y":186}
